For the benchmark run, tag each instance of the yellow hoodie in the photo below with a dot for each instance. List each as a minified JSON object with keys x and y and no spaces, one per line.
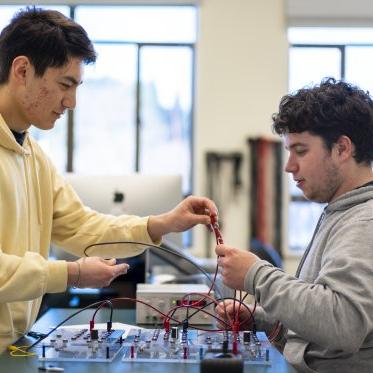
{"x":38,"y":207}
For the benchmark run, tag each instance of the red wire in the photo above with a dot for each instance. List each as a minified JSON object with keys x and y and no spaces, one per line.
{"x":251,"y":317}
{"x":232,"y":324}
{"x":160,"y":312}
{"x":220,"y":241}
{"x":204,"y":296}
{"x":173,"y":309}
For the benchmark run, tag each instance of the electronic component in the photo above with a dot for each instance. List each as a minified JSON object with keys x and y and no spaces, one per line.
{"x":166,"y":296}
{"x":81,"y":345}
{"x":155,"y":345}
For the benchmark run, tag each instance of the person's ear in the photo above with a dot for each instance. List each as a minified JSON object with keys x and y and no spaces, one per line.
{"x":20,"y":68}
{"x":344,"y":147}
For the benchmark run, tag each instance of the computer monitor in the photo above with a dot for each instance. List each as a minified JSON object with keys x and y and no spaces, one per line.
{"x":143,"y":194}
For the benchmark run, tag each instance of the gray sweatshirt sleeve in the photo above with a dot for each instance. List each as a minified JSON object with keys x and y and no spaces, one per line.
{"x":263,"y":322}
{"x":336,"y":309}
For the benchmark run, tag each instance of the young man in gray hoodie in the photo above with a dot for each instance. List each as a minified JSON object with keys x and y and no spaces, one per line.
{"x":321,"y":318}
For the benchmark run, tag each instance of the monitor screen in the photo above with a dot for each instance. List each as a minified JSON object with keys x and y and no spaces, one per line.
{"x":143,"y":195}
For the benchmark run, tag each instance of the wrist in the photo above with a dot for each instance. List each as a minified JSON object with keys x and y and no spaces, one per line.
{"x":157,"y":227}
{"x":73,"y":274}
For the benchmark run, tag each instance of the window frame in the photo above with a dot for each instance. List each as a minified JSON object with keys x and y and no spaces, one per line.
{"x":138,"y":45}
{"x":342,"y":47}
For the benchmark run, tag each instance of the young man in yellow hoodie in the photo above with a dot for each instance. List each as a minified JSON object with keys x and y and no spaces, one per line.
{"x":42,"y":54}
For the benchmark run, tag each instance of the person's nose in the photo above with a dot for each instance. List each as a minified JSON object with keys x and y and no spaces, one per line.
{"x":291,"y":165}
{"x":69,"y":100}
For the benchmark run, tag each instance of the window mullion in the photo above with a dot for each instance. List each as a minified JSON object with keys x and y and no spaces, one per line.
{"x":138,"y":108}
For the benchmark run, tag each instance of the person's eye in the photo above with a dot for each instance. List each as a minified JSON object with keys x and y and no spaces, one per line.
{"x":65,"y":85}
{"x":301,"y":152}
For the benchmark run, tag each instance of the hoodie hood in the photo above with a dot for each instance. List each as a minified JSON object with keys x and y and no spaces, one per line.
{"x":8,"y":141}
{"x":350,"y":199}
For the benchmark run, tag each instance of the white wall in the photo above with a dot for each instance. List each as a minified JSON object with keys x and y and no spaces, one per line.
{"x":241,"y":76}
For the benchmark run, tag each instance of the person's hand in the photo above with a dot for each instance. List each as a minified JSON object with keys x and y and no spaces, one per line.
{"x":234,"y":264}
{"x":226,"y":311}
{"x":94,"y":272}
{"x":188,"y":213}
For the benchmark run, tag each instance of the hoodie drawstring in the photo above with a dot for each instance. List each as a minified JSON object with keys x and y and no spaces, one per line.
{"x":36,"y":182}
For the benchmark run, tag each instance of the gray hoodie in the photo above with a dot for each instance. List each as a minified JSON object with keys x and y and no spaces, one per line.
{"x":328,"y":307}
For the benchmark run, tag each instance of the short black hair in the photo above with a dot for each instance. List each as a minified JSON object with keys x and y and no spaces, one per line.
{"x":330,"y":110}
{"x":46,"y":37}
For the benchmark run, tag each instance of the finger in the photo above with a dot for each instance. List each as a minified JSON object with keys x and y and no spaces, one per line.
{"x":220,"y":250}
{"x":221,"y":261}
{"x":221,"y":305}
{"x":201,"y":219}
{"x":210,"y":207}
{"x":204,"y":205}
{"x":225,"y":303}
{"x":224,"y":315}
{"x":213,"y":212}
{"x":219,"y":325}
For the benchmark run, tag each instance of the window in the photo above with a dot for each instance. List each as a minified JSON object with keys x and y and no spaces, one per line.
{"x":53,"y":142}
{"x":134,"y":110}
{"x":105,"y":116}
{"x":315,"y":53}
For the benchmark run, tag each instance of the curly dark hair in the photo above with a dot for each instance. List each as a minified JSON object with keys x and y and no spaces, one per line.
{"x":46,"y":37}
{"x":330,"y":110}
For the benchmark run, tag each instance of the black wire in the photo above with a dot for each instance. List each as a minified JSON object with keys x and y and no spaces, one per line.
{"x":244,"y":297}
{"x":198,"y":309}
{"x":223,"y":299}
{"x":67,"y":319}
{"x":160,"y":248}
{"x":108,"y":301}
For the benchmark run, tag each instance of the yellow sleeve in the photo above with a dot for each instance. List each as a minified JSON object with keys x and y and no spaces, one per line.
{"x":30,"y":276}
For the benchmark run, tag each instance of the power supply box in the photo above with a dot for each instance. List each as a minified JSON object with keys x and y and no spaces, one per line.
{"x":166,"y":297}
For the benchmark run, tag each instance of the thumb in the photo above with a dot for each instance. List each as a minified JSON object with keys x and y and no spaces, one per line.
{"x":121,"y":269}
{"x":110,"y":262}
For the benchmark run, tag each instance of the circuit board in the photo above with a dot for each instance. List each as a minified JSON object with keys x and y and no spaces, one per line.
{"x":81,"y":345}
{"x":155,"y":345}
